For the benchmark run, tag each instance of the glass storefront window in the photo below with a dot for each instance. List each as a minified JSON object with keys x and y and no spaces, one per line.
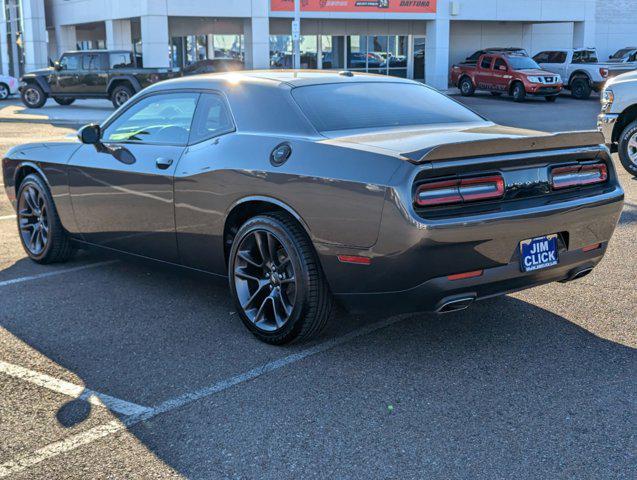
{"x":187,"y":50}
{"x":357,"y":52}
{"x":281,"y":51}
{"x":309,"y":51}
{"x":333,"y":49}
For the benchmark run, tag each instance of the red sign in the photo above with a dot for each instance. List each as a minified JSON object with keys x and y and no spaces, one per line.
{"x":374,"y":6}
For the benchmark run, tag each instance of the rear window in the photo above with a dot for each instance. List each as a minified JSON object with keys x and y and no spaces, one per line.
{"x":347,"y":106}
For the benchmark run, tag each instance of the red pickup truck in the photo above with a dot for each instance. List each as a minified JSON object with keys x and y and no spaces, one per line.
{"x":515,"y":75}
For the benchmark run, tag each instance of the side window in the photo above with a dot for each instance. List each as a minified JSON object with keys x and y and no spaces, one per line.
{"x":211,"y":119}
{"x":91,"y":61}
{"x":157,"y":119}
{"x":71,"y":62}
{"x":542,"y":57}
{"x":558,"y":57}
{"x":633,"y":57}
{"x":584,"y":56}
{"x":500,"y":65}
{"x":120,"y":60}
{"x":486,"y":63}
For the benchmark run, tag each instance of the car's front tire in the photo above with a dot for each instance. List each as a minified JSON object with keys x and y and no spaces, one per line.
{"x":627,"y":148}
{"x":4,"y":91}
{"x":63,"y":101}
{"x":518,"y":93}
{"x":33,"y":96}
{"x":276,"y":280}
{"x":41,"y":233}
{"x":120,"y":95}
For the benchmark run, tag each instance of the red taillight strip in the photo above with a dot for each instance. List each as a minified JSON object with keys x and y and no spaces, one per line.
{"x":578,"y":175}
{"x":461,"y":276}
{"x":595,"y":246}
{"x":354,"y":259}
{"x":459,"y":190}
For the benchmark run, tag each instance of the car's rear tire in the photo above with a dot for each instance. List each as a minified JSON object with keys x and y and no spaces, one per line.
{"x":627,"y":148}
{"x":33,"y":96}
{"x":120,"y":95}
{"x":63,"y":101}
{"x":581,"y":88}
{"x":4,"y":91}
{"x":276,"y":280}
{"x":518,"y":92}
{"x":41,"y":233}
{"x":466,"y":87}
{"x":551,"y":99}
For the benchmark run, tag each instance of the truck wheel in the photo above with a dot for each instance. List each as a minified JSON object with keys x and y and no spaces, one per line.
{"x":276,"y":280}
{"x":120,"y":95}
{"x":33,"y":96}
{"x":4,"y":91}
{"x":628,"y":148}
{"x":581,"y":88}
{"x":551,"y":99}
{"x":41,"y":233}
{"x":518,"y":93}
{"x":63,"y":101}
{"x":466,"y":87}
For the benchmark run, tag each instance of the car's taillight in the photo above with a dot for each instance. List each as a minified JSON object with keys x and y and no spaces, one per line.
{"x":603,"y":72}
{"x":459,"y":190}
{"x":578,"y":175}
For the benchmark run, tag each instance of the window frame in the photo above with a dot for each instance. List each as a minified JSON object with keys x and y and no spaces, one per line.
{"x":110,"y":120}
{"x":224,"y":101}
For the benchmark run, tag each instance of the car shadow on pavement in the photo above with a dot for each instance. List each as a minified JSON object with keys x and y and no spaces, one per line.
{"x":500,"y":390}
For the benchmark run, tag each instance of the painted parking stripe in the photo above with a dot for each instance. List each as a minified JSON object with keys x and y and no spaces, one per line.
{"x":8,"y":217}
{"x":70,"y":389}
{"x":55,"y":272}
{"x":25,"y":461}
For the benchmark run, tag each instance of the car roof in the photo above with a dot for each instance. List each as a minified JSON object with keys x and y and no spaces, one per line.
{"x":274,"y":78}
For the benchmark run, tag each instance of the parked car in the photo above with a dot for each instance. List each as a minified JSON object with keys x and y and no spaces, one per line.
{"x":112,"y":74}
{"x":618,"y":120}
{"x":624,"y":55}
{"x":473,"y":58}
{"x":214,"y":65}
{"x":581,"y":70}
{"x":8,"y":86}
{"x":515,"y":75}
{"x":304,"y":187}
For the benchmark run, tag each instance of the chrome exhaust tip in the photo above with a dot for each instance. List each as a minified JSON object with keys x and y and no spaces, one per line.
{"x":455,"y":304}
{"x":581,"y":273}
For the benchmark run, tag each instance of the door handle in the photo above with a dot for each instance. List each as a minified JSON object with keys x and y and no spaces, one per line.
{"x":163,"y":163}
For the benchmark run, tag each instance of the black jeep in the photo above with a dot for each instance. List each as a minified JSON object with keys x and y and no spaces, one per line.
{"x":113,"y":74}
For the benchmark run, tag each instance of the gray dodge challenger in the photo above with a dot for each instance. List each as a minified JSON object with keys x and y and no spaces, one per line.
{"x":305,"y":187}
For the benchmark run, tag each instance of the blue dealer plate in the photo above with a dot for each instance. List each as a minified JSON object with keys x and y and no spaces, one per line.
{"x":538,"y":253}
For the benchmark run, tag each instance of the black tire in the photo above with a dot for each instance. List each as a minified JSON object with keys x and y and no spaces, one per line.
{"x":55,"y":243}
{"x":466,"y":87}
{"x":518,"y":92}
{"x":4,"y":91}
{"x":120,"y":95}
{"x":496,"y":94}
{"x":581,"y":88}
{"x":305,"y":298}
{"x":551,"y":99}
{"x":627,"y":148}
{"x":63,"y":101}
{"x":33,"y":96}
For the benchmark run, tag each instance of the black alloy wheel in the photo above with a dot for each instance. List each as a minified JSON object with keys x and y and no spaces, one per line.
{"x":120,"y":95}
{"x":33,"y":96}
{"x":276,"y":280}
{"x":581,"y":88}
{"x":41,"y":233}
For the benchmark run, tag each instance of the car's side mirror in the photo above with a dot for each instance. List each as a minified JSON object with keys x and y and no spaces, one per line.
{"x":90,"y":134}
{"x":57,"y":66}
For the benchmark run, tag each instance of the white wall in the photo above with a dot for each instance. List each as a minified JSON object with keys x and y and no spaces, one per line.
{"x":616,"y":26}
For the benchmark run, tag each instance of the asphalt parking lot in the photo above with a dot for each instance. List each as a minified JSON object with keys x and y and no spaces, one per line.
{"x":117,"y":368}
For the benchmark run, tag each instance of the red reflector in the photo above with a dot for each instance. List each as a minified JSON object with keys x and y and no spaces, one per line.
{"x":459,"y":190}
{"x":578,"y":175}
{"x":595,"y":246}
{"x":354,"y":259}
{"x":460,"y":276}
{"x":603,"y":72}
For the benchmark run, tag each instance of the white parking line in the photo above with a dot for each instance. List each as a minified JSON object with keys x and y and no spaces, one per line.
{"x":70,"y":389}
{"x":22,"y":462}
{"x":8,"y":217}
{"x":55,"y":272}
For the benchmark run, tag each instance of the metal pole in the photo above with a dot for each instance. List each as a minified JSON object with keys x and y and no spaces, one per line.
{"x":296,"y":31}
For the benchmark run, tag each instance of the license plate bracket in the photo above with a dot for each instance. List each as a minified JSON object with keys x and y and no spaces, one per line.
{"x":539,"y":253}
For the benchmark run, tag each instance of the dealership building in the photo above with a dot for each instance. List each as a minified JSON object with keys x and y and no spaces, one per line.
{"x":417,"y":39}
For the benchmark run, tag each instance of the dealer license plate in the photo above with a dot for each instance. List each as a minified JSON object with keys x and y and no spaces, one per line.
{"x":537,"y":253}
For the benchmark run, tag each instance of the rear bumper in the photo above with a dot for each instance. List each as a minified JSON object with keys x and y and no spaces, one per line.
{"x":434,"y":294}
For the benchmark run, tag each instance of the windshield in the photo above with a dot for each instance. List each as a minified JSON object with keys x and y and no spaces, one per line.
{"x":346,"y":106}
{"x":522,"y":63}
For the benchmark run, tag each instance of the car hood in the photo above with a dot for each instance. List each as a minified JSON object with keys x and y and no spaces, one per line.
{"x":624,"y":77}
{"x":437,"y":142}
{"x":536,"y":72}
{"x":40,"y":72}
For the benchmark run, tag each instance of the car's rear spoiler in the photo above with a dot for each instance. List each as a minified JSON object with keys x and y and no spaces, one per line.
{"x":506,"y":145}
